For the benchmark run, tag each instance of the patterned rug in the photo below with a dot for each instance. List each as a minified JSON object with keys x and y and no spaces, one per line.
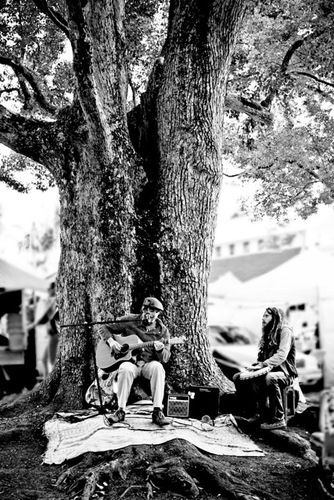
{"x":72,"y":434}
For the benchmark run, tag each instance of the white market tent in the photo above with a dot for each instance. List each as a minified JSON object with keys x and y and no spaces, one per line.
{"x":223,"y":285}
{"x":303,"y":278}
{"x":306,"y":278}
{"x":217,"y":292}
{"x":15,"y":278}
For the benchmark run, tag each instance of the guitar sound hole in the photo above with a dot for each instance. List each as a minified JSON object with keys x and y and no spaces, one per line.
{"x":123,"y":351}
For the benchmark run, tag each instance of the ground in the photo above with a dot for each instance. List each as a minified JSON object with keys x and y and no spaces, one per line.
{"x":280,"y":474}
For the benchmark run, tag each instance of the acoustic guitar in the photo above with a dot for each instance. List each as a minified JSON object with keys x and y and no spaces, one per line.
{"x":109,"y":361}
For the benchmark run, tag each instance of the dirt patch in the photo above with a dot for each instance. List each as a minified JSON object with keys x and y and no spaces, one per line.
{"x":279,"y":474}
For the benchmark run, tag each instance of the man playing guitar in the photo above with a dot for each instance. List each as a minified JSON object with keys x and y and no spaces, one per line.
{"x":150,"y":330}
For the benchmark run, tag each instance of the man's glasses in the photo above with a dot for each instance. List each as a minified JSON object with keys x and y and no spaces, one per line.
{"x":150,"y":309}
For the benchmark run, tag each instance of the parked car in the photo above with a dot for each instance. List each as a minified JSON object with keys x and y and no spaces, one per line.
{"x":235,"y":347}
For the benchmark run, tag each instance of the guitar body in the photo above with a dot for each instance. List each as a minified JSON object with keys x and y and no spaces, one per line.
{"x":109,"y":362}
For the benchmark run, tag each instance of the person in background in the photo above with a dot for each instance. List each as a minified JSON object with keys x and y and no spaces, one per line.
{"x":31,"y":373}
{"x":149,"y":360}
{"x":51,"y":318}
{"x":276,"y":352}
{"x":3,"y":375}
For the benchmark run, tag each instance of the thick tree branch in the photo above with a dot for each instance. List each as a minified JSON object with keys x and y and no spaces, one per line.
{"x":259,"y":111}
{"x":232,"y":175}
{"x":289,"y":54}
{"x":10,"y":180}
{"x":52,"y":14}
{"x":283,"y":71}
{"x":304,"y":168}
{"x":24,"y":89}
{"x":303,"y":190}
{"x":312,"y":76}
{"x":19,"y":69}
{"x":27,"y":136}
{"x":250,"y":108}
{"x":9,"y":90}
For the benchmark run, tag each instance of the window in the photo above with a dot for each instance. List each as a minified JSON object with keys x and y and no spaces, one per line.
{"x":246,"y":246}
{"x":231,"y":249}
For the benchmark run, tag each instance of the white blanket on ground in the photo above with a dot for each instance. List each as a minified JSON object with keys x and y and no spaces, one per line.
{"x":69,"y":440}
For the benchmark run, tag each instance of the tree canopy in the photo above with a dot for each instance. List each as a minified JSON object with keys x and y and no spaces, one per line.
{"x":278,"y":125}
{"x":282,"y":68}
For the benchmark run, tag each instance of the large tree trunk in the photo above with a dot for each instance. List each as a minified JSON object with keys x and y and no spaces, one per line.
{"x":95,"y":186}
{"x":182,"y":148}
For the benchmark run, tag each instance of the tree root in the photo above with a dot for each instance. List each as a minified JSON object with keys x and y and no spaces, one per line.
{"x":292,"y":442}
{"x":130,"y":488}
{"x":41,"y":395}
{"x":15,"y":434}
{"x":325,"y":490}
{"x":285,"y":439}
{"x":86,"y":479}
{"x":176,"y":466}
{"x":160,"y":475}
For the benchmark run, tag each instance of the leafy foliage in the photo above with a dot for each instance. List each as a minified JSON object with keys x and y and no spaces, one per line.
{"x":284,"y":61}
{"x":146,"y":26}
{"x":20,"y":173}
{"x":32,"y":40}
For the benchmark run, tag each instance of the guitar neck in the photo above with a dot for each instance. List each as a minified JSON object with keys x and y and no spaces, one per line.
{"x":142,"y":344}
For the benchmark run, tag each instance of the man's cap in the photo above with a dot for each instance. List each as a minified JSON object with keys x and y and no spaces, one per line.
{"x":153,"y":302}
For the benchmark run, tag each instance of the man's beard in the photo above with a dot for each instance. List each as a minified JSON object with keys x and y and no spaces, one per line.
{"x":147,"y":319}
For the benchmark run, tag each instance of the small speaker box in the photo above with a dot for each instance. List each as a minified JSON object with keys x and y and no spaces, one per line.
{"x":204,"y":400}
{"x":177,"y":405}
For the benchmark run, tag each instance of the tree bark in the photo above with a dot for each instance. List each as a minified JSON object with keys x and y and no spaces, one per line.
{"x":96,"y":207}
{"x":181,"y":143}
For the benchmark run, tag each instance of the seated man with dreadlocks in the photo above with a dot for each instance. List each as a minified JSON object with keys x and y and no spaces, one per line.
{"x":276,"y":367}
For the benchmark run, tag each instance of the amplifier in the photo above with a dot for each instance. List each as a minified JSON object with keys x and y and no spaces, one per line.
{"x":177,"y":405}
{"x":204,"y":400}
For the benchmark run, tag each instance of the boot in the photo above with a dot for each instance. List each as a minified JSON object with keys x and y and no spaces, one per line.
{"x":116,"y":417}
{"x":159,"y":418}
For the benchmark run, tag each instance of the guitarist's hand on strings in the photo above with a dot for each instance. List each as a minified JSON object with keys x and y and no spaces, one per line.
{"x":158,"y":346}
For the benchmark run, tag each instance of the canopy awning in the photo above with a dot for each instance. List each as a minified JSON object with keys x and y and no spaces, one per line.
{"x":304,"y":278}
{"x":15,"y":278}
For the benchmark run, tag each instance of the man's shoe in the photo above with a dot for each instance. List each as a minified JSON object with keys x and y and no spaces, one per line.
{"x":159,"y":418}
{"x":275,"y":424}
{"x":116,"y":417}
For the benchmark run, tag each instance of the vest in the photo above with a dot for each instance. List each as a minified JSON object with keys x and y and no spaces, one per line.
{"x":289,"y":365}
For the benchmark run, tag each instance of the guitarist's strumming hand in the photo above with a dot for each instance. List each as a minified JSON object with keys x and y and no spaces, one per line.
{"x":114,"y":345}
{"x":104,"y":334}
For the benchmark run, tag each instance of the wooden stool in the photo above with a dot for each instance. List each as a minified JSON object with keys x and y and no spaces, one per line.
{"x":289,"y":401}
{"x":326,"y":424}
